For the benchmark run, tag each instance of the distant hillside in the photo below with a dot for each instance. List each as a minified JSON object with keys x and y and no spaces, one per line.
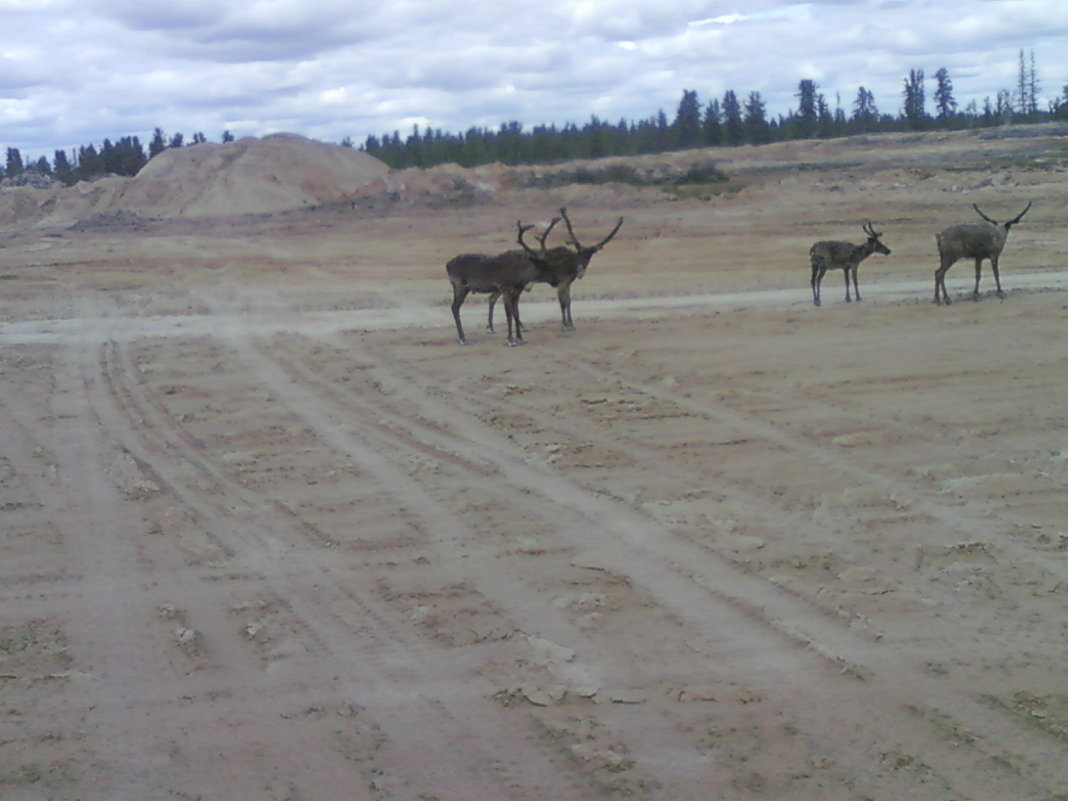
{"x":249,"y":176}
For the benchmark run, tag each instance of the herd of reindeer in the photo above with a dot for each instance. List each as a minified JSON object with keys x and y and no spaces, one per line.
{"x":509,"y":274}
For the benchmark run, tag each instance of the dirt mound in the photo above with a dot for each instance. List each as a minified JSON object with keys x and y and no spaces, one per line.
{"x":250,"y":176}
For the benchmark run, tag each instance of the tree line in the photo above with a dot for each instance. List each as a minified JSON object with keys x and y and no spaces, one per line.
{"x":126,"y":156}
{"x":732,"y":120}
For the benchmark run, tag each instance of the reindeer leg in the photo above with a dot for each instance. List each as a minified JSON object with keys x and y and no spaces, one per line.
{"x":978,"y":274}
{"x":940,"y":283}
{"x":492,"y":301}
{"x":563,"y":294}
{"x":856,"y":288}
{"x":997,"y":277}
{"x":519,"y":328}
{"x":459,"y":294}
{"x":845,"y":272}
{"x":817,"y":277}
{"x":517,"y":297}
{"x":511,"y":309}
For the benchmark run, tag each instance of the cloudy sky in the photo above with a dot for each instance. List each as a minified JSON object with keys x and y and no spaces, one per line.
{"x":73,"y":72}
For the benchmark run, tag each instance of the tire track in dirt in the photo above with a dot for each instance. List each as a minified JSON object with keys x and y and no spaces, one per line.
{"x":340,"y":413}
{"x":581,"y":508}
{"x":540,"y":624}
{"x":721,"y":582}
{"x":953,"y":518}
{"x":742,"y":501}
{"x":333,"y":615}
{"x":144,"y":695}
{"x":115,"y":626}
{"x":964,"y":713}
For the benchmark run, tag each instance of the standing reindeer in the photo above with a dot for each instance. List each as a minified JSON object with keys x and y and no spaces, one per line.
{"x":843,"y":256}
{"x":507,"y":274}
{"x":564,"y":266}
{"x":541,"y":240}
{"x":972,"y":241}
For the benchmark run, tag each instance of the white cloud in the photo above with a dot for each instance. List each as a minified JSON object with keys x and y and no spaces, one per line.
{"x":336,"y":68}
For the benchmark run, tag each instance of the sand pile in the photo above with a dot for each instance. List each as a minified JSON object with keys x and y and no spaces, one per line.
{"x":250,"y":176}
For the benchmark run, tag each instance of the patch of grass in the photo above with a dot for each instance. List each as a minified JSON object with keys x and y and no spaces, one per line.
{"x":703,"y":175}
{"x":631,"y":175}
{"x":708,"y":191}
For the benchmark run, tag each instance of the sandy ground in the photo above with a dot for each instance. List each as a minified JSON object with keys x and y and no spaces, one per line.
{"x":270,"y":533}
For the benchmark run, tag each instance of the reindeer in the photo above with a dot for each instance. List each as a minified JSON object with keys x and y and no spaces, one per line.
{"x":507,"y":274}
{"x":563,"y":264}
{"x":843,"y":256}
{"x":541,"y":240}
{"x":973,"y":241}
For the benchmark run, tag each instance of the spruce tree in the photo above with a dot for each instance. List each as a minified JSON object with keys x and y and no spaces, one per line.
{"x":914,"y":107}
{"x":62,"y":169}
{"x":865,"y":114}
{"x":1032,"y":85}
{"x":687,"y":125}
{"x":14,"y":163}
{"x":807,"y":107}
{"x":733,"y":130}
{"x":757,"y":131}
{"x":944,"y":101}
{"x":158,"y":143}
{"x":712,"y":125}
{"x":1027,"y":85}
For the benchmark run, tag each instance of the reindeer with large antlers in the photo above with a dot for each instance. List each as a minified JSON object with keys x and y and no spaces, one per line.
{"x":508,"y":274}
{"x":541,"y":241}
{"x":563,"y":265}
{"x":843,"y":256}
{"x":972,"y":241}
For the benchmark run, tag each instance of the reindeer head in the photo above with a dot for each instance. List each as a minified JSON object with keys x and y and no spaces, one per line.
{"x":586,"y":253}
{"x":874,"y":244}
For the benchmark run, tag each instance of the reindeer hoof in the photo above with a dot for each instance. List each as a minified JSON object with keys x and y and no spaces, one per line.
{"x":461,"y":341}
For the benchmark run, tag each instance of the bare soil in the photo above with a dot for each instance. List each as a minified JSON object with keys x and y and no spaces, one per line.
{"x":270,"y":533}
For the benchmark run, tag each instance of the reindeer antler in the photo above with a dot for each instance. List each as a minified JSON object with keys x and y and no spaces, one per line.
{"x":980,"y":213}
{"x":541,"y":239}
{"x":522,"y":230}
{"x":574,"y":239}
{"x":1019,"y":216}
{"x":570,"y":230}
{"x":545,"y":234}
{"x":604,"y":241}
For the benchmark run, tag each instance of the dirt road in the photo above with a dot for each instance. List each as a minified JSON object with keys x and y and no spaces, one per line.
{"x":270,"y":533}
